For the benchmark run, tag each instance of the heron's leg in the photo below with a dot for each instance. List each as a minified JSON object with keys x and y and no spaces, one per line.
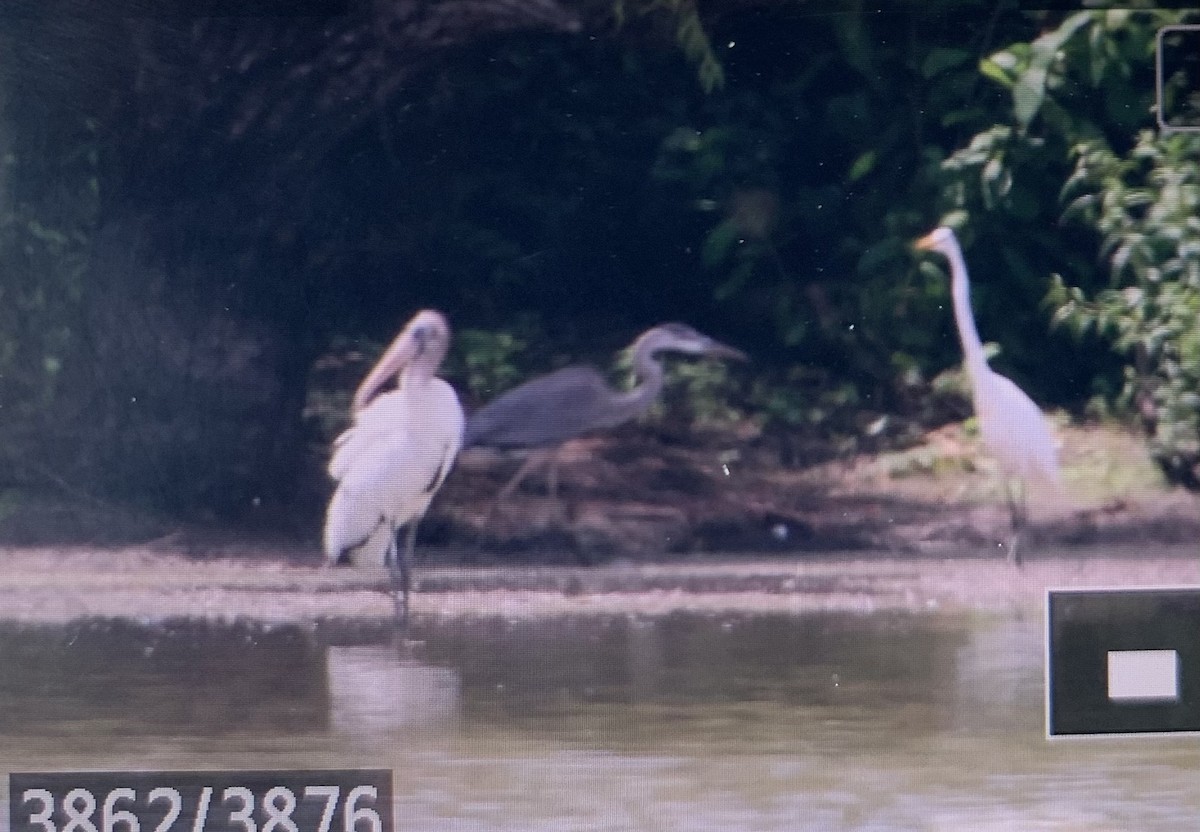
{"x":552,"y":475}
{"x":535,"y":458}
{"x":508,"y":489}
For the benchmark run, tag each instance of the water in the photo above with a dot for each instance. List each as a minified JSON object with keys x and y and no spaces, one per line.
{"x":842,"y":722}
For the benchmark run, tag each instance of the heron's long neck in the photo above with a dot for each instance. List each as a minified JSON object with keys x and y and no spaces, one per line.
{"x":650,"y":373}
{"x":961,"y":293}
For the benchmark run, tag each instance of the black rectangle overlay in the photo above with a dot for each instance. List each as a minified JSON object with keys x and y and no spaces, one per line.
{"x":202,"y":801}
{"x":1084,"y":626}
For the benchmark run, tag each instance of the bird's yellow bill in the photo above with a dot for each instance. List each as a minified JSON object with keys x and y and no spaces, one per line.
{"x":925,"y":243}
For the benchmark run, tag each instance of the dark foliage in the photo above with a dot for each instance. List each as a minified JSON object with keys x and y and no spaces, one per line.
{"x":196,"y":211}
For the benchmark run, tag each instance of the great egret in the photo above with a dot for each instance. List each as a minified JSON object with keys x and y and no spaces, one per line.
{"x":1014,"y":429}
{"x":542,"y":414}
{"x":395,"y":456}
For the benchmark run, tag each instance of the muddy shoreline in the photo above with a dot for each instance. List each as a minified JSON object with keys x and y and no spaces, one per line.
{"x":643,"y":527}
{"x":59,"y":585}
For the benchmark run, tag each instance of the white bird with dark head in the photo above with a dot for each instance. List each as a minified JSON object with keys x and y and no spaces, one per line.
{"x":395,"y":456}
{"x":544,"y":413}
{"x":1014,"y":430}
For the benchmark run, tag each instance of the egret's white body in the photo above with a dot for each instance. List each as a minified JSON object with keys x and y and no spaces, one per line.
{"x":395,"y":456}
{"x":1014,"y":429}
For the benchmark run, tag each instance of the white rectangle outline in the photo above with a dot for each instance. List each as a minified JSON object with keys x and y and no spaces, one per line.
{"x":1163,"y":126}
{"x":1158,"y":735}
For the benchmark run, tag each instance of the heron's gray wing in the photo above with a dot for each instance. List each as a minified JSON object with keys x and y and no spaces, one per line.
{"x":548,"y":410}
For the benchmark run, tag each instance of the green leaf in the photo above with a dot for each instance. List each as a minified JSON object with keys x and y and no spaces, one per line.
{"x":1030,"y":90}
{"x":718,"y":244}
{"x":940,"y":59}
{"x":883,"y":256}
{"x":990,"y":69}
{"x":738,"y":278}
{"x":862,"y":166}
{"x":1028,"y":94}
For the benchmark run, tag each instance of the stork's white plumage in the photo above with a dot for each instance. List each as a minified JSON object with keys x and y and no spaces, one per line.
{"x":395,"y":456}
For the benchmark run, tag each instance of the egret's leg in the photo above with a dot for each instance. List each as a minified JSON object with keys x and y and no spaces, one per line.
{"x":1017,"y":514}
{"x":1014,"y":548}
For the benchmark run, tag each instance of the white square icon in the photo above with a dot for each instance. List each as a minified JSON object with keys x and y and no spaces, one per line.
{"x":1140,"y":676}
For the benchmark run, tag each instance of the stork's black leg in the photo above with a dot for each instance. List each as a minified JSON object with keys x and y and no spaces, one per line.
{"x":391,"y":559}
{"x":401,"y":571}
{"x":389,"y":554}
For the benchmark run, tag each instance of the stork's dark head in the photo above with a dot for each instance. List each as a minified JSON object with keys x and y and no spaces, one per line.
{"x":417,"y":353}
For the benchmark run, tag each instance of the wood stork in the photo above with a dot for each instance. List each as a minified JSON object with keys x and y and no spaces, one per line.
{"x":395,"y":455}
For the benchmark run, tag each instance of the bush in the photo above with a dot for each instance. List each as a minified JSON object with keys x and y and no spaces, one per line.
{"x":1146,"y":204}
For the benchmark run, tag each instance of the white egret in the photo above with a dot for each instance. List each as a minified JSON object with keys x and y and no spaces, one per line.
{"x":1014,"y":430}
{"x":395,"y":456}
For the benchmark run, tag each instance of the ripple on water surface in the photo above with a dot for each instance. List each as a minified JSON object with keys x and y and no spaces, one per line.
{"x":621,"y":722}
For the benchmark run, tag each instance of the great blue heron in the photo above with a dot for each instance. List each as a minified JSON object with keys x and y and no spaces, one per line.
{"x":1014,"y":429}
{"x":391,"y":461}
{"x":540,"y":415}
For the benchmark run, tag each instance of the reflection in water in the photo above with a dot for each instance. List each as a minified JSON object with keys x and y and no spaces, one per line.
{"x":646,"y":657}
{"x":373,"y":690}
{"x":747,"y":682}
{"x":115,"y":678}
{"x":824,"y":722}
{"x":999,"y":686}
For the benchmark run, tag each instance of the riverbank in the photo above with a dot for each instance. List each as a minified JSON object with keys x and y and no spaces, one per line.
{"x":639,"y":496}
{"x":644,"y":527}
{"x":153,"y":584}
{"x":634,"y":497}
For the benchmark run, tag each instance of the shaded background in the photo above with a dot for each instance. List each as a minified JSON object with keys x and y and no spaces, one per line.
{"x":210,"y":222}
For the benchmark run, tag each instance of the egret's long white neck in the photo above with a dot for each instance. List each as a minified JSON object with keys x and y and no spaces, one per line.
{"x":960,"y":291}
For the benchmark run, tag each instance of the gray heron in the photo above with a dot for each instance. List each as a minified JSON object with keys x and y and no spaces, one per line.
{"x":395,"y":455}
{"x":1014,"y":430}
{"x":542,"y":414}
